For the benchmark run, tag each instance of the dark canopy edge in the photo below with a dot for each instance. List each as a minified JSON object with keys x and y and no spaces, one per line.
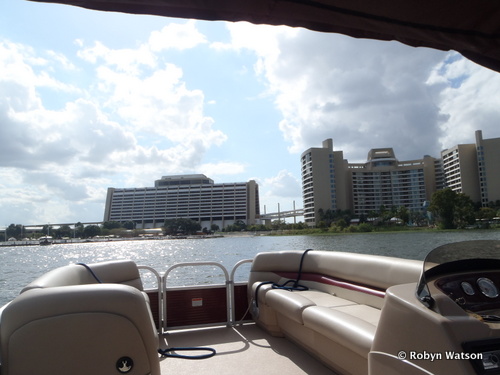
{"x":470,"y":28}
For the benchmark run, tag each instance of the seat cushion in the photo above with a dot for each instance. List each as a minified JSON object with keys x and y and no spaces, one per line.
{"x":363,"y":312}
{"x":288,"y":303}
{"x":292,"y":303}
{"x":350,"y":331}
{"x":325,"y":299}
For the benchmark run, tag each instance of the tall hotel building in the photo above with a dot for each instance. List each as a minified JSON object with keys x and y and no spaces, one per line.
{"x":330,"y":182}
{"x":193,"y":197}
{"x":474,"y":169}
{"x":324,"y":181}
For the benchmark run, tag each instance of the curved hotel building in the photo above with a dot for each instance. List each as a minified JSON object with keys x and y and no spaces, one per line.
{"x":330,"y":182}
{"x":194,"y":197}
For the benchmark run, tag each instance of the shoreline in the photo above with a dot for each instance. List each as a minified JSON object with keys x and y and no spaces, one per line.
{"x":278,"y":233}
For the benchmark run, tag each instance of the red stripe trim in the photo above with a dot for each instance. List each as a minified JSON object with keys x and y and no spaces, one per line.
{"x":323,"y":279}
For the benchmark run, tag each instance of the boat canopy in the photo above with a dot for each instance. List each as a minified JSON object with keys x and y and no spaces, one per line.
{"x":471,"y":28}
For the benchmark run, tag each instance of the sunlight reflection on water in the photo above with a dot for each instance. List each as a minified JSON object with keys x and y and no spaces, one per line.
{"x":20,"y":265}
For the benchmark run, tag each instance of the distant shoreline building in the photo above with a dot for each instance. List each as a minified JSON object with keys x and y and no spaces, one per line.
{"x":330,"y":182}
{"x":194,"y":197}
{"x":474,"y":169}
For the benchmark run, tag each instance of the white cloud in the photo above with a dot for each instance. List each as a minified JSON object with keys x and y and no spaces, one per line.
{"x":284,"y":184}
{"x":284,"y":190}
{"x":470,"y":100}
{"x":126,"y":60}
{"x":214,"y":170}
{"x":135,"y":116}
{"x":367,"y":94}
{"x":176,"y":36}
{"x":133,"y":121}
{"x":158,"y":102}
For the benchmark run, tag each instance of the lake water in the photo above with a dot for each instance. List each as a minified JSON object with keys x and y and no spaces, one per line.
{"x":22,"y":264}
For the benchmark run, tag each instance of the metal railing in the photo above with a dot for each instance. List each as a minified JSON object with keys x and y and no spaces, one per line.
{"x":163,"y":288}
{"x":194,"y":264}
{"x":232,"y":285}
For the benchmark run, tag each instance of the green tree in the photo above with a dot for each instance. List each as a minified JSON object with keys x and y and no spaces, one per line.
{"x":47,"y":230}
{"x":278,"y":224}
{"x":453,"y":210}
{"x":181,"y":225}
{"x":63,"y":231}
{"x":129,"y":225}
{"x":329,"y":216}
{"x":365,"y":227}
{"x":239,"y":225}
{"x":78,"y":231}
{"x":15,"y":231}
{"x":404,"y":214}
{"x":91,"y":231}
{"x":170,"y":226}
{"x":463,"y":213}
{"x":111,"y":225}
{"x":486,"y":213}
{"x":341,"y":223}
{"x":443,"y":205}
{"x":386,"y":214}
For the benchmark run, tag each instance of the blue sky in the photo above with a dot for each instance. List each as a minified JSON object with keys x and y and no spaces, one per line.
{"x":91,"y":100}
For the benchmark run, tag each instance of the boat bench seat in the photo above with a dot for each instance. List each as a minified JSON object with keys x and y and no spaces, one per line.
{"x":115,"y":272}
{"x":101,"y":327}
{"x":293,"y":304}
{"x":336,"y":318}
{"x":355,"y":333}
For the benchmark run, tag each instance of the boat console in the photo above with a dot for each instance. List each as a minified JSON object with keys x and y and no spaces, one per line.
{"x":451,"y":323}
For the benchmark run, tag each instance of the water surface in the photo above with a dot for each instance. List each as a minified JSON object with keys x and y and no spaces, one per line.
{"x":20,"y":265}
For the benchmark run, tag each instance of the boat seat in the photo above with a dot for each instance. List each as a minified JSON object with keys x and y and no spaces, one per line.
{"x":337,"y":317}
{"x":102,"y":329}
{"x":341,"y":327}
{"x":293,"y":303}
{"x":118,"y":271}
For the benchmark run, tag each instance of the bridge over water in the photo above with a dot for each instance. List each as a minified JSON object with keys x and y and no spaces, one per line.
{"x":282,"y":214}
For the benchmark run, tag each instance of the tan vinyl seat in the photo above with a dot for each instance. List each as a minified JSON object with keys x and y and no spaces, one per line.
{"x":97,"y":329}
{"x":115,"y":271}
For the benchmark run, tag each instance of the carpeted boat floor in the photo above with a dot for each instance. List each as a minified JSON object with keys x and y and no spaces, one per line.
{"x":241,"y":350}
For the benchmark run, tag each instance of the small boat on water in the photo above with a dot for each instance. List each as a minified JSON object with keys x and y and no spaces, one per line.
{"x":45,"y":240}
{"x":300,"y":312}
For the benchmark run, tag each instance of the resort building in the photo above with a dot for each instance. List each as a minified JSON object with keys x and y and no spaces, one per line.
{"x":324,"y":181}
{"x":330,"y":182}
{"x":474,"y":169}
{"x":385,"y":181}
{"x":194,"y":197}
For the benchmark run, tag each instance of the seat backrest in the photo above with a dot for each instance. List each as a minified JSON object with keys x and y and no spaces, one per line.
{"x":118,"y":271}
{"x":371,"y":270}
{"x":97,"y":329}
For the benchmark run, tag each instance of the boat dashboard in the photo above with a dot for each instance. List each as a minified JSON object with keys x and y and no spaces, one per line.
{"x":469,"y":274}
{"x":477,"y":292}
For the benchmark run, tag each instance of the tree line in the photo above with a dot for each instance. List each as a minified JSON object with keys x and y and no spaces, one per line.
{"x":448,"y":210}
{"x":79,"y":230}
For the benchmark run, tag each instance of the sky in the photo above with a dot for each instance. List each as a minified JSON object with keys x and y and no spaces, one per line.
{"x":91,"y":100}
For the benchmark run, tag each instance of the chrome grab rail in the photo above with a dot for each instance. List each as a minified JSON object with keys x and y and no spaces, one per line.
{"x":232,"y":283}
{"x":187,"y":264}
{"x":161,"y":281}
